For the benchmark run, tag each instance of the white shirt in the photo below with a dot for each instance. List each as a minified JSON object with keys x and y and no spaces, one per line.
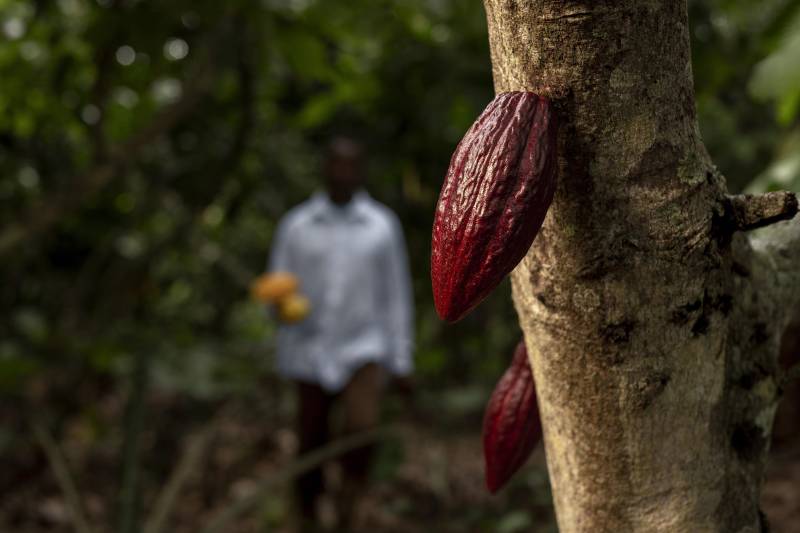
{"x":352,"y":265}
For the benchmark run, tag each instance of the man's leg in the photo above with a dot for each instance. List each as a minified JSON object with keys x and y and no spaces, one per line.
{"x":313,"y":409}
{"x":361,"y":400}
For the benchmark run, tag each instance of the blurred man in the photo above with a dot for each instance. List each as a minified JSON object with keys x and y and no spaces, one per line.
{"x":349,"y":254}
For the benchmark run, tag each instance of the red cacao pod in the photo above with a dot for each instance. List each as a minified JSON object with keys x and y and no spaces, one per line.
{"x":511,"y":425}
{"x":493,"y":201}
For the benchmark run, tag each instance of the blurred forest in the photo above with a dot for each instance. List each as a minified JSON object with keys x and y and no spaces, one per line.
{"x":147,"y":150}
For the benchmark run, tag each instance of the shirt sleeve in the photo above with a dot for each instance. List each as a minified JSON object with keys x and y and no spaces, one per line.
{"x":280,"y":259}
{"x":399,"y":304}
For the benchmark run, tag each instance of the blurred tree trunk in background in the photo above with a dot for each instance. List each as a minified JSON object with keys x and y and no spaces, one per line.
{"x":653,"y":322}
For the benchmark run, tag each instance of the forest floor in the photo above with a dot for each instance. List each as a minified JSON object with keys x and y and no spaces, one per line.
{"x":428,"y":477}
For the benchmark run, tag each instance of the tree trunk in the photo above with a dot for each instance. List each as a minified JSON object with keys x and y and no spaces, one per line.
{"x":652,"y":325}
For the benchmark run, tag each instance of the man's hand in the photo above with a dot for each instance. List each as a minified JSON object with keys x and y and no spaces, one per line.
{"x":272,"y":287}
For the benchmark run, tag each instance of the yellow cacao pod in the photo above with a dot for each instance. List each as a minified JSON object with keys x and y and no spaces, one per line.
{"x":293,"y":308}
{"x":269,"y":288}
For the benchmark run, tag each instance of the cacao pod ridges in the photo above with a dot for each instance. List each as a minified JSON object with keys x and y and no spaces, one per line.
{"x":511,"y":424}
{"x":493,"y":201}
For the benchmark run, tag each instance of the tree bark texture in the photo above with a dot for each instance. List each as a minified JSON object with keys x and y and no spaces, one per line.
{"x":652,"y":322}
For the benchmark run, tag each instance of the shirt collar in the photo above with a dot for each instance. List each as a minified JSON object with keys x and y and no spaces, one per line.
{"x":355,"y":210}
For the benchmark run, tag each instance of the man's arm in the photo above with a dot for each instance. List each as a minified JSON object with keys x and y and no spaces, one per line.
{"x":280,"y":257}
{"x":399,"y":303}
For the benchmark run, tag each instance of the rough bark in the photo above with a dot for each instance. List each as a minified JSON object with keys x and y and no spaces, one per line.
{"x":652,"y":326}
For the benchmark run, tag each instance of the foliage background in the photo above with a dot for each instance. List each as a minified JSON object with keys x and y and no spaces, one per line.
{"x":147,"y":150}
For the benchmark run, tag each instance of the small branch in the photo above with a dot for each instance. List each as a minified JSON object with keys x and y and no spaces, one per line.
{"x":63,"y":477}
{"x":130,"y":490}
{"x":756,"y":211}
{"x":222,"y":519}
{"x":166,"y":499}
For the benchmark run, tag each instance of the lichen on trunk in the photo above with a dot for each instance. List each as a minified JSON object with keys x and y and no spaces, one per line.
{"x":638,"y":300}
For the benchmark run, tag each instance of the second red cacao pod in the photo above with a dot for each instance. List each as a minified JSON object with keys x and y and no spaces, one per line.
{"x":511,"y":425}
{"x":498,"y":188}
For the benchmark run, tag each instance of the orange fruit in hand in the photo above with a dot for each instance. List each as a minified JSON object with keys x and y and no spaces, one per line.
{"x":293,"y":308}
{"x":269,"y":288}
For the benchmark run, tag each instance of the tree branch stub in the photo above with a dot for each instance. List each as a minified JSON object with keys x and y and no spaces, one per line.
{"x":750,"y":211}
